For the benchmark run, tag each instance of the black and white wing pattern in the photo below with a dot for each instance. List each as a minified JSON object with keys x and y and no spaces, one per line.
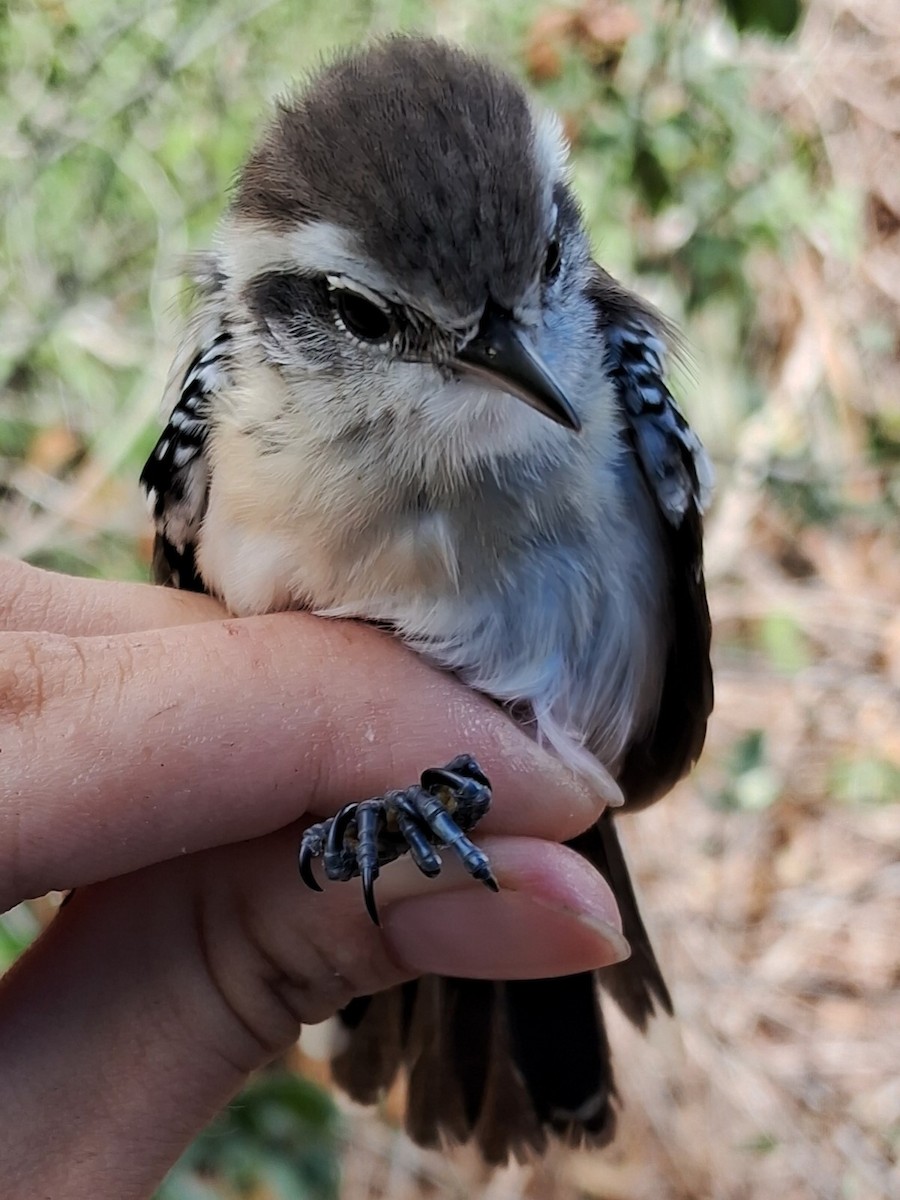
{"x":176,"y":475}
{"x":674,"y":462}
{"x":678,"y":476}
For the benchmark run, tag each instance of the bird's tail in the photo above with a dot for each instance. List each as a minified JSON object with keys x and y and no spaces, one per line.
{"x":637,"y":984}
{"x":506,"y":1064}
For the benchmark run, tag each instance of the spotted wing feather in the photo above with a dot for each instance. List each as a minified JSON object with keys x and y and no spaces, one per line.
{"x":678,"y":476}
{"x":176,"y":475}
{"x":673,"y":461}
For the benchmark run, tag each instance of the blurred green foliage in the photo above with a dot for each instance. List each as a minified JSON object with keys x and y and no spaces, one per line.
{"x":753,"y":783}
{"x":782,"y":639}
{"x":18,"y":929}
{"x":278,"y":1138}
{"x":122,"y":126}
{"x":778,"y":17}
{"x":865,"y":780}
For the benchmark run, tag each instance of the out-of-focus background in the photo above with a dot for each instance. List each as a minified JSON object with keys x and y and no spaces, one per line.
{"x":739,"y":164}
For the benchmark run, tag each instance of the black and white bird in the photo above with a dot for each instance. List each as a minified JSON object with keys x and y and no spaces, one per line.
{"x":409,"y":395}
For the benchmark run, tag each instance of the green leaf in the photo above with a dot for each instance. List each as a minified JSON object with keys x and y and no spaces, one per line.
{"x":865,"y":781}
{"x":778,"y":17}
{"x":650,"y":176}
{"x":784,"y":643}
{"x":762,"y":1143}
{"x":281,"y":1132}
{"x":754,"y":783}
{"x":18,"y":929}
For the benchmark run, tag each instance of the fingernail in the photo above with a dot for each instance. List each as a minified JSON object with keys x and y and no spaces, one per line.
{"x":512,"y":935}
{"x":592,"y":779}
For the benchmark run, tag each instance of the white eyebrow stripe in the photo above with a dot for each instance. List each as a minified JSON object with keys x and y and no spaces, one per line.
{"x":343,"y":283}
{"x":245,"y":249}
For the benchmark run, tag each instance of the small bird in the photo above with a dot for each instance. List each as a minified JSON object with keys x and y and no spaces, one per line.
{"x":409,"y":395}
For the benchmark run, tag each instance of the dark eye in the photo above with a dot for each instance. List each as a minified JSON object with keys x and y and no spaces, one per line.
{"x":361,"y":317}
{"x":553,"y":260}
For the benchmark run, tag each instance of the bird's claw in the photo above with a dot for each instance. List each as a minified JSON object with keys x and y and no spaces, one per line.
{"x":432,"y":815}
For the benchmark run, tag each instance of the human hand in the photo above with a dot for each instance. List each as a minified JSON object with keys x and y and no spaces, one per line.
{"x":160,"y":757}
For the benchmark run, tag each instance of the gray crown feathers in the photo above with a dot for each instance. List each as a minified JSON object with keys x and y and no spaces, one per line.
{"x":424,"y":151}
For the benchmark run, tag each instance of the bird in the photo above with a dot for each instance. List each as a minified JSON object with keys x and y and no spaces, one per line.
{"x":409,"y":395}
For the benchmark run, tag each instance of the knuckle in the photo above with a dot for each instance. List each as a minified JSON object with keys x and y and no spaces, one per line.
{"x":274,"y":977}
{"x":30,"y":669}
{"x":259,"y":1026}
{"x":35,"y":671}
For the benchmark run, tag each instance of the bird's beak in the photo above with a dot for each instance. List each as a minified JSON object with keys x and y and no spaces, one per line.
{"x":500,"y":354}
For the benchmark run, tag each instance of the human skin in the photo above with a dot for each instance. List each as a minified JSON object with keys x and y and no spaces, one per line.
{"x":160,"y":757}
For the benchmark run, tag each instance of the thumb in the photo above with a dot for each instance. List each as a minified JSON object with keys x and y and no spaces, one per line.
{"x":166,"y":987}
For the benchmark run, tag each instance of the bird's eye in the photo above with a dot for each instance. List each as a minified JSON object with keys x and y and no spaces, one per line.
{"x":553,"y":260}
{"x":361,"y":317}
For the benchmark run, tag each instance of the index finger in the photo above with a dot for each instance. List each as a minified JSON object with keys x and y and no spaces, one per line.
{"x":32,"y":599}
{"x":127,"y":750}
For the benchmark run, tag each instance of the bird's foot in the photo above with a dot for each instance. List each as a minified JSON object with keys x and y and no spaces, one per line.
{"x":432,"y":815}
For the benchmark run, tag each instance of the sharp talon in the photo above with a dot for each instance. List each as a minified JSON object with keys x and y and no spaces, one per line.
{"x":368,"y":883}
{"x":466,"y":765}
{"x":334,"y":843}
{"x":306,"y":871}
{"x":436,"y":777}
{"x":337,"y":859}
{"x":368,"y":822}
{"x":479,"y":867}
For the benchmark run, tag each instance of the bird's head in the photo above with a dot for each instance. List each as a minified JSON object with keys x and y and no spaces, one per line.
{"x":402,"y":242}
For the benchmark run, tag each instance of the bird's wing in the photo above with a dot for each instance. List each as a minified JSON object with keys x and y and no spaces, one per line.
{"x":678,"y":477}
{"x":667,"y":459}
{"x":175,"y":477}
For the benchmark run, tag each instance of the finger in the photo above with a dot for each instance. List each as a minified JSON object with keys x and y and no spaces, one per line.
{"x":46,"y":601}
{"x":122,"y":751}
{"x":169,"y":986}
{"x":553,"y":915}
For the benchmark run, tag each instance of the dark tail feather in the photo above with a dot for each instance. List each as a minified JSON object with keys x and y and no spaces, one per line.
{"x":472,"y":1016}
{"x":498,"y":1063}
{"x":368,"y":1065}
{"x":559,"y":1046}
{"x":509,"y":1123}
{"x":503,"y":1064}
{"x":414,"y":1026}
{"x":437,"y":1090}
{"x":636,"y":985}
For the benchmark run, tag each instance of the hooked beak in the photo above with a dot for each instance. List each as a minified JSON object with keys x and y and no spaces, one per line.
{"x":500,"y":354}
